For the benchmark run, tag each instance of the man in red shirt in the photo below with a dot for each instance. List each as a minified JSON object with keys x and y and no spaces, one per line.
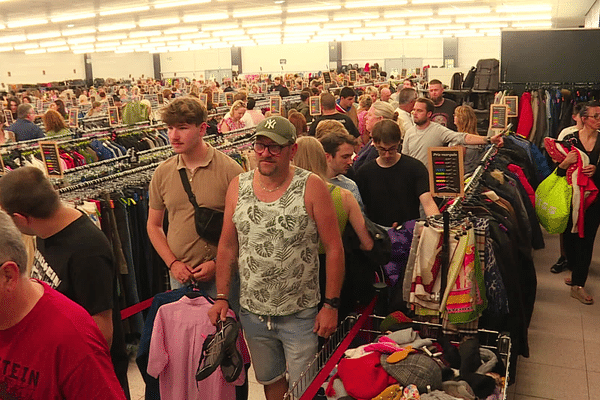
{"x":50,"y":347}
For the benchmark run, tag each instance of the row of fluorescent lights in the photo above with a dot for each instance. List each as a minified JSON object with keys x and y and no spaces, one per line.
{"x":165,"y":44}
{"x":395,"y":25}
{"x":266,"y":11}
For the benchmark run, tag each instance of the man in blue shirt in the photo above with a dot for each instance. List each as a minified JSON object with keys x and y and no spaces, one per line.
{"x":24,"y":128}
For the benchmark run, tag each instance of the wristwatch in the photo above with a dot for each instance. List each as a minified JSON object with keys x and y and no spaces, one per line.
{"x":334,"y":302}
{"x":488,"y":140}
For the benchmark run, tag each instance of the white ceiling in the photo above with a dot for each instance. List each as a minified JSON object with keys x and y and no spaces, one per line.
{"x":210,"y":23}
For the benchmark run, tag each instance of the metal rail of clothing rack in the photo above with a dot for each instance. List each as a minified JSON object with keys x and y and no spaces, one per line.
{"x":108,"y":178}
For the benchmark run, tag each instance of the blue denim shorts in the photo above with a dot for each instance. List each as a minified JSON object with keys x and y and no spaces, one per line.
{"x":279,"y":342}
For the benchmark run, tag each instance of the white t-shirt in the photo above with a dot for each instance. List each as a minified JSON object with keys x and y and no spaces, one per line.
{"x":405,"y":120}
{"x":417,"y":141}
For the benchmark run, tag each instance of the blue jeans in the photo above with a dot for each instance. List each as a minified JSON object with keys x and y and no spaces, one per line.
{"x":277,"y":342}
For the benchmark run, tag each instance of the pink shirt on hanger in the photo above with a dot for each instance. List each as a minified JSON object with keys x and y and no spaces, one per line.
{"x":175,"y":348}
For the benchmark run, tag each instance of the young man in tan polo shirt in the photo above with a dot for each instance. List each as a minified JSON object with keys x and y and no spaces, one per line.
{"x":189,"y":257}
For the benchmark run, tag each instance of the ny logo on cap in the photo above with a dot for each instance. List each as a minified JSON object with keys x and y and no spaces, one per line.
{"x":270,"y":124}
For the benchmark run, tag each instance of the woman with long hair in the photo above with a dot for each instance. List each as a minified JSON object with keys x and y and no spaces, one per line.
{"x":465,"y":119}
{"x":311,"y":156}
{"x":54,"y":123}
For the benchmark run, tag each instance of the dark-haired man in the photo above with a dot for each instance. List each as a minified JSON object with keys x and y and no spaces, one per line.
{"x":328,"y":111}
{"x":73,"y":256}
{"x":443,"y":113}
{"x":303,"y":107}
{"x":345,"y":104}
{"x":426,"y":134}
{"x":188,"y":256}
{"x":339,"y":149}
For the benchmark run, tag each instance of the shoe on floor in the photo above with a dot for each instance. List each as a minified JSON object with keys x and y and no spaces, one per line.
{"x":560,"y":265}
{"x":579,"y":293}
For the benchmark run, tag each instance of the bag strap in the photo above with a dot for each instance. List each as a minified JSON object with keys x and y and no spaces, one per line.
{"x":187,"y":187}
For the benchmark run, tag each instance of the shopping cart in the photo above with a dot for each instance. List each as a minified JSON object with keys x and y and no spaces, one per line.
{"x":366,"y":328}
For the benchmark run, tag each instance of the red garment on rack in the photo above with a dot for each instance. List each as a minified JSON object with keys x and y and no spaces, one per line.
{"x":525,"y":115}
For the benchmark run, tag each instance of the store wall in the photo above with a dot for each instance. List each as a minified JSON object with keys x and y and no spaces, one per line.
{"x":40,"y":68}
{"x":122,"y":66}
{"x":477,"y":48}
{"x":301,"y":57}
{"x":193,"y":64}
{"x":376,"y":51}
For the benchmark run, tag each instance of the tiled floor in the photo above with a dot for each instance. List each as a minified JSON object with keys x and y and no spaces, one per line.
{"x":564,"y":339}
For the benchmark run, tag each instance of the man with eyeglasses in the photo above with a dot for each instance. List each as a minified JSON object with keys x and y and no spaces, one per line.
{"x":275,"y":217}
{"x":426,"y":134}
{"x":23,"y":127}
{"x":394,"y":185}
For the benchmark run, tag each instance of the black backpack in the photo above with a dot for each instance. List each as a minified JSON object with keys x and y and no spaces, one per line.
{"x":470,"y":79}
{"x":488,"y":75}
{"x":457,"y":81}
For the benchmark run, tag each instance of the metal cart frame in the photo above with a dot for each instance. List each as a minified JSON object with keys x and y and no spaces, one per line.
{"x":320,"y":368}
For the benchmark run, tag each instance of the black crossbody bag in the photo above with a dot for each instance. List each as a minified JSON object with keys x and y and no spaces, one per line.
{"x":209,"y":223}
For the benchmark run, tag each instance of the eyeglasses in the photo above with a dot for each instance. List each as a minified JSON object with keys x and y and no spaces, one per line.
{"x":383,"y":150}
{"x":274,"y":149}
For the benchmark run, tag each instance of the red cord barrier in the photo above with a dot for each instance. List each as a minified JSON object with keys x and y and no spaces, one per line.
{"x":136,"y":308}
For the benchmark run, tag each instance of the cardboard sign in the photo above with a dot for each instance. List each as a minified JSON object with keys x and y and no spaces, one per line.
{"x":498,"y":117}
{"x":315,"y":105}
{"x":73,"y":116}
{"x":51,"y":158}
{"x":113,"y":116}
{"x":203,"y":99}
{"x":8,"y":117}
{"x":111,"y":101}
{"x":513,"y":105}
{"x":275,"y":105}
{"x":353,"y":75}
{"x":229,"y":99}
{"x":327,"y":77}
{"x":446,"y":171}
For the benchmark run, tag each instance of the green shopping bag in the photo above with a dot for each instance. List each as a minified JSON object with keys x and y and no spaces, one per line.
{"x":553,"y":203}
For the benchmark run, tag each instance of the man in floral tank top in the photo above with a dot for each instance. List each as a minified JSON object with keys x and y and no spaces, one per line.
{"x":274,"y":218}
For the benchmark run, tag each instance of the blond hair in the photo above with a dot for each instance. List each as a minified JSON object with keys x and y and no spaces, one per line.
{"x":328,"y":126}
{"x":311,"y":156}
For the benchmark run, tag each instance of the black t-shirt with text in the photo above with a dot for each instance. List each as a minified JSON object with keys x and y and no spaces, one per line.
{"x":78,"y":262}
{"x":392,"y":194}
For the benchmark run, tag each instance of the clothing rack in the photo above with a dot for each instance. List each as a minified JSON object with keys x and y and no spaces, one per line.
{"x":474,"y":182}
{"x":116,"y":159}
{"x":109,"y":178}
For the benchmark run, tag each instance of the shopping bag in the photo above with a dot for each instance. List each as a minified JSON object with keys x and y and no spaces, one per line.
{"x":553,"y":203}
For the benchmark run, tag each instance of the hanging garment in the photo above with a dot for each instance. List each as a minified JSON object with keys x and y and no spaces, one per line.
{"x":525,"y":115}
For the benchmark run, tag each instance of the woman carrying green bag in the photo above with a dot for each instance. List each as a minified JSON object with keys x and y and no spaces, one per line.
{"x":579,"y":249}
